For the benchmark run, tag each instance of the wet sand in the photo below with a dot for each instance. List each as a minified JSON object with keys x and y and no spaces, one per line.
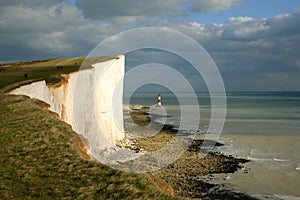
{"x":185,"y":175}
{"x":274,"y":162}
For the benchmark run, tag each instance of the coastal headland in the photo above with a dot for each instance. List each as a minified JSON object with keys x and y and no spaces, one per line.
{"x":42,"y":157}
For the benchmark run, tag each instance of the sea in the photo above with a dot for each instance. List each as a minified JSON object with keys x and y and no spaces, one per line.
{"x":263,"y":127}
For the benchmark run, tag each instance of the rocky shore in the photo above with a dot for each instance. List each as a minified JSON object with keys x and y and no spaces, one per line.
{"x":185,"y":174}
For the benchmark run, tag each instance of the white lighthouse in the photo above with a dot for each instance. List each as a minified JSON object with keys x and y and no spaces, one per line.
{"x":158,"y":100}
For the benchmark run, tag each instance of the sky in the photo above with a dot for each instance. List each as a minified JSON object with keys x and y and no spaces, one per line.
{"x":254,"y":43}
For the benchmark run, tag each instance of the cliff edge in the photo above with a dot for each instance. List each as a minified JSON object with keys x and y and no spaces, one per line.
{"x":90,"y":100}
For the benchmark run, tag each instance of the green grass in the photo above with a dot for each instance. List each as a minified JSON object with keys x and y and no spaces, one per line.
{"x":11,"y":73}
{"x":40,"y":156}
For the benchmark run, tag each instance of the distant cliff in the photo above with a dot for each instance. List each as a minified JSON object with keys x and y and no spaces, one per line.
{"x":90,"y":100}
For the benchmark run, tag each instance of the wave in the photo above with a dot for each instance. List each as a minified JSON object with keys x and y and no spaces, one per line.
{"x":281,"y":160}
{"x":286,"y":197}
{"x":267,"y":159}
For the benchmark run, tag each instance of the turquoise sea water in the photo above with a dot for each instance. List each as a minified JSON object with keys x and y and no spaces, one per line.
{"x":247,"y":112}
{"x":263,"y":127}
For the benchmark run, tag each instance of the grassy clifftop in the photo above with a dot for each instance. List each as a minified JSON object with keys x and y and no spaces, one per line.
{"x":11,"y":73}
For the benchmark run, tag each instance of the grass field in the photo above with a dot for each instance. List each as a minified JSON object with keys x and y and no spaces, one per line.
{"x":41,"y":157}
{"x":11,"y":73}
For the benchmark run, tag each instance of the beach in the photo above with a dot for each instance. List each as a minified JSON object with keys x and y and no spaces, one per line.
{"x":185,"y":174}
{"x":274,"y":162}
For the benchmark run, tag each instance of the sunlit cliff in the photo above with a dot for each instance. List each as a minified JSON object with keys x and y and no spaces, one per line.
{"x":90,"y":100}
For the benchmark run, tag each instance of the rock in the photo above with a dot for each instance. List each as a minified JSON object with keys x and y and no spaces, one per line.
{"x":135,"y":107}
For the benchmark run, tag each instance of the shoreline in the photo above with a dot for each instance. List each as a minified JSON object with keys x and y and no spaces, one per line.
{"x":184,"y":175}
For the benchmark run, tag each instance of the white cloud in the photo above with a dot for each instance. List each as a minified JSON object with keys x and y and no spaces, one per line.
{"x":236,"y":20}
{"x":248,"y":30}
{"x":24,"y":19}
{"x":281,"y":17}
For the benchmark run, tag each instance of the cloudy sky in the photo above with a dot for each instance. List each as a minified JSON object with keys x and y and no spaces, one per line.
{"x":255,"y":43}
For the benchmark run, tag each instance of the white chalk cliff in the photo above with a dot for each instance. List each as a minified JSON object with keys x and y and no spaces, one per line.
{"x":90,"y":100}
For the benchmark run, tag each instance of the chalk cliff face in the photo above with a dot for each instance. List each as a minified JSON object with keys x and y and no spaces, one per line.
{"x":90,"y":100}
